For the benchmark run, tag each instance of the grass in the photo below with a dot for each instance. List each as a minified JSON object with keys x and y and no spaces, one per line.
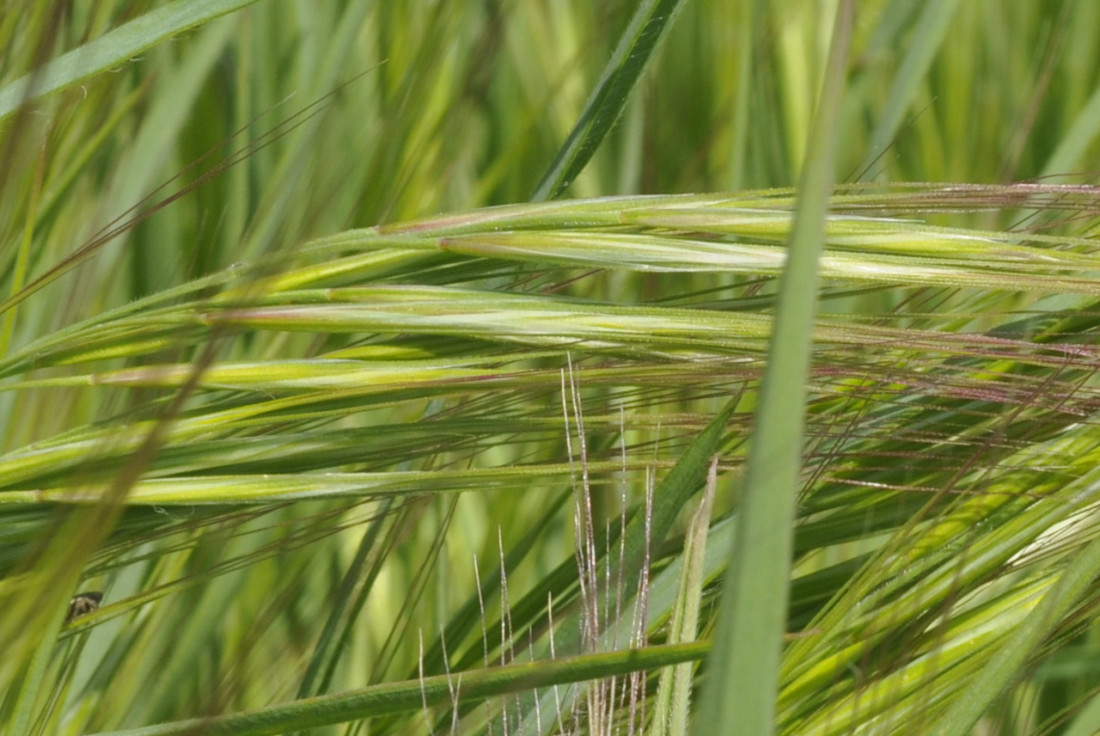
{"x":373,"y":363}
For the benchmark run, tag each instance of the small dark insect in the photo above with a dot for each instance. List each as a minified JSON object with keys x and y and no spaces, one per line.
{"x":82,"y":604}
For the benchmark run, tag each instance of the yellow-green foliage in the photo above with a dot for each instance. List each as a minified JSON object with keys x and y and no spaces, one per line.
{"x":378,"y":351}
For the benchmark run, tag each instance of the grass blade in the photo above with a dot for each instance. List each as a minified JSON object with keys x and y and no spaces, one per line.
{"x":931,"y":29}
{"x":114,"y":48}
{"x":674,"y":690}
{"x":603,"y":108}
{"x":1006,"y":665}
{"x":741,"y":683}
{"x":414,"y":694}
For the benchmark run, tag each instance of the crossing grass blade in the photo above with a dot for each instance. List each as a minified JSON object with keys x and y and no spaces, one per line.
{"x":412,"y":695}
{"x":635,"y":50}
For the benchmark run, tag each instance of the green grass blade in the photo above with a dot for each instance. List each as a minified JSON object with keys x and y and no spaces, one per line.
{"x":743,"y":671}
{"x":114,"y":48}
{"x":1073,"y":149}
{"x":931,"y":29}
{"x":1005,"y":667}
{"x":674,"y":689}
{"x":1087,"y":720}
{"x":29,"y":691}
{"x":431,"y":691}
{"x":635,"y":50}
{"x":326,"y":652}
{"x":669,"y":498}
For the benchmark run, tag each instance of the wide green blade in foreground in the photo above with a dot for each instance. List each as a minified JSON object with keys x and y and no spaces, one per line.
{"x":740,"y":691}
